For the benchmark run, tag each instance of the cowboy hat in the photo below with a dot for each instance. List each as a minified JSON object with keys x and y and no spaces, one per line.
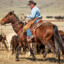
{"x":31,"y":2}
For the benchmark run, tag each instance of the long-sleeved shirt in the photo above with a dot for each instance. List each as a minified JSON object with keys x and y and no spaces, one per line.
{"x":34,"y":13}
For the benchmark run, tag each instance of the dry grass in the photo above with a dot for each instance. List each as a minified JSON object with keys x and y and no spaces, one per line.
{"x":50,"y":7}
{"x":8,"y":58}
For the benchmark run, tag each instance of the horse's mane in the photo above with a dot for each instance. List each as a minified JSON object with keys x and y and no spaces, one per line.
{"x":20,"y":22}
{"x":16,"y":17}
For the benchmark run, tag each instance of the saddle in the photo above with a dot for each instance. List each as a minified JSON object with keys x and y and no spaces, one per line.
{"x":34,"y":27}
{"x":38,"y":24}
{"x":30,"y":23}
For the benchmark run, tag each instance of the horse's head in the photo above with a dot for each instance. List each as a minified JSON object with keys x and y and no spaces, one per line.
{"x":6,"y":19}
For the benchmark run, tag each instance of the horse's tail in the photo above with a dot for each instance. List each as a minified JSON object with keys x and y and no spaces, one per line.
{"x":58,"y":41}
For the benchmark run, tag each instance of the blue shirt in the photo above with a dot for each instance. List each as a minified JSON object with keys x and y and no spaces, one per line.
{"x":34,"y":13}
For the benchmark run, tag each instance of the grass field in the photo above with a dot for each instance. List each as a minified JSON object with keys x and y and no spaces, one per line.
{"x":8,"y":58}
{"x":47,"y":7}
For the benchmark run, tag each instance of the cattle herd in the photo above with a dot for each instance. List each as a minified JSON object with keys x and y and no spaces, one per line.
{"x":56,"y":17}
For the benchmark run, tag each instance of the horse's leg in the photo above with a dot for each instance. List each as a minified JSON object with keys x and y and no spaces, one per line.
{"x":47,"y":48}
{"x":31,"y":51}
{"x":19,"y":48}
{"x":17,"y":52}
{"x":34,"y":47}
{"x":20,"y":51}
{"x":13,"y":50}
{"x":57,"y":52}
{"x":24,"y":47}
{"x":8,"y":41}
{"x":5,"y":45}
{"x":24,"y":50}
{"x":9,"y":46}
{"x":31,"y":47}
{"x":38,"y":49}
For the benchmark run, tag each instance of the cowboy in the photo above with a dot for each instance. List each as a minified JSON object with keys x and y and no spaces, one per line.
{"x":34,"y":13}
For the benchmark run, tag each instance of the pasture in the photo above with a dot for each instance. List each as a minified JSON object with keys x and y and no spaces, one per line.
{"x":8,"y":58}
{"x":47,"y":8}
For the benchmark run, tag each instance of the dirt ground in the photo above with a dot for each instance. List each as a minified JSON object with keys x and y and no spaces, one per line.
{"x":8,"y":58}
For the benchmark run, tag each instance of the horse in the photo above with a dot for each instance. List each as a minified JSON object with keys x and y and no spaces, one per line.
{"x":40,"y":47}
{"x":15,"y":42}
{"x":61,"y":33}
{"x":43,"y":34}
{"x":2,"y":39}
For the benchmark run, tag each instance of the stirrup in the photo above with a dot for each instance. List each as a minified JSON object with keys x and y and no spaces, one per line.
{"x":30,"y":38}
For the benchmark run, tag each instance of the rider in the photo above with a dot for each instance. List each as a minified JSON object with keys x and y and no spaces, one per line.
{"x":34,"y":13}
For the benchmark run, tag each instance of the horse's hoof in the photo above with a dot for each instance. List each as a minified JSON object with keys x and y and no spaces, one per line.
{"x":44,"y":59}
{"x":34,"y":59}
{"x":12,"y":53}
{"x":17,"y":59}
{"x":58,"y":62}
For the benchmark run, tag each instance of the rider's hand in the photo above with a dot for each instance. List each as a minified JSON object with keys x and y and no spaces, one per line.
{"x":25,"y":16}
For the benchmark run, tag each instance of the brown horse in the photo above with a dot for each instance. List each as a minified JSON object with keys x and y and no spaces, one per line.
{"x":15,"y":43}
{"x":2,"y":39}
{"x":44,"y":33}
{"x":40,"y":47}
{"x":61,"y":33}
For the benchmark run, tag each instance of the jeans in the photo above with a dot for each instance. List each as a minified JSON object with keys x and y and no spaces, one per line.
{"x":29,"y":33}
